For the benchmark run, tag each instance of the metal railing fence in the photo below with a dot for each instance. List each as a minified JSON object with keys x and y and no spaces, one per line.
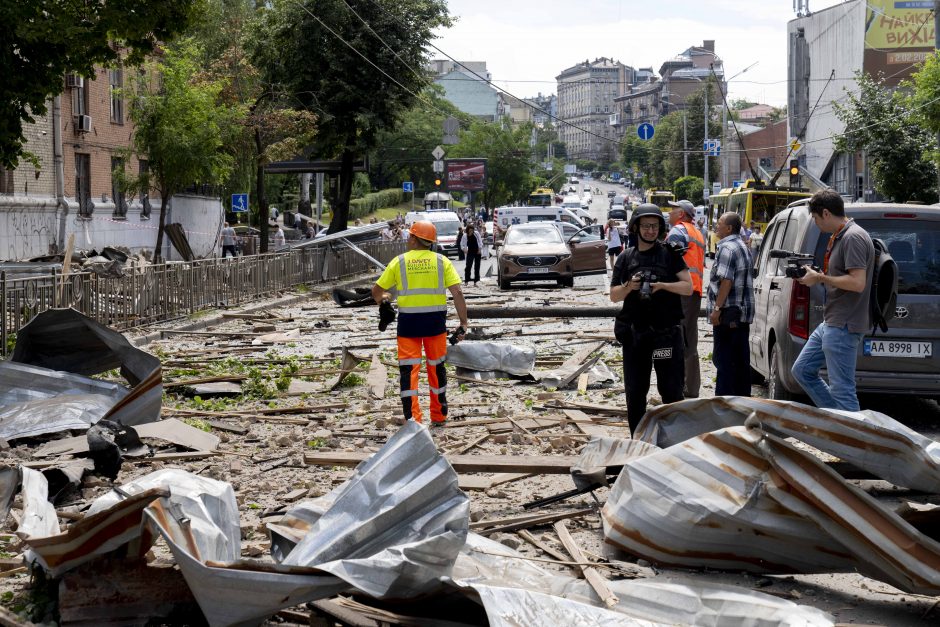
{"x":172,"y":290}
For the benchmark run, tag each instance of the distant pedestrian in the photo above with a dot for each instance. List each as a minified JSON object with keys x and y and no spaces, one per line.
{"x":731,"y":308}
{"x":685,"y":235}
{"x":228,"y":240}
{"x":614,"y":242}
{"x":472,"y":247}
{"x":847,"y":266}
{"x":756,"y":238}
{"x":460,"y":238}
{"x":279,"y":239}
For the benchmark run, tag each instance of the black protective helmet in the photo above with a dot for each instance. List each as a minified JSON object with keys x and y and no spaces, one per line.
{"x":647,"y":209}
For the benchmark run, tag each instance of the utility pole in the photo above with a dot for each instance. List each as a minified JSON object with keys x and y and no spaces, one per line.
{"x":705,"y":173}
{"x":723,"y":158}
{"x":936,"y":45}
{"x":685,"y":146}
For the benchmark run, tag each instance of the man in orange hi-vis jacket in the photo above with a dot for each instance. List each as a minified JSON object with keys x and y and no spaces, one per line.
{"x":685,"y":234}
{"x":422,"y":279}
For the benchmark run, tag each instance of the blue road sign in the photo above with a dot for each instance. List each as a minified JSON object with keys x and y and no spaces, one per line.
{"x":408,"y":186}
{"x":239,"y":203}
{"x":645,"y":131}
{"x":712,"y":147}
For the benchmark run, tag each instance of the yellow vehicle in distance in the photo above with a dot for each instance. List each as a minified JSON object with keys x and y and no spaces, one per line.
{"x":759,"y":203}
{"x":661,"y":198}
{"x":542,"y":197}
{"x":718,"y":204}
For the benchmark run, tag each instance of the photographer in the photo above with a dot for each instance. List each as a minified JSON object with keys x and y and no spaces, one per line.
{"x":649,"y":279}
{"x":847,"y":265}
{"x":731,"y":308}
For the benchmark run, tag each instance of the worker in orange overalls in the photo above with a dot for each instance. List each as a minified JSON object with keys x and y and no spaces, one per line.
{"x":422,"y":278}
{"x":685,"y":234}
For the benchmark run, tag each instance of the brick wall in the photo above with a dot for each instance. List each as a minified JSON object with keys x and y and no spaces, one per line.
{"x":27,"y":179}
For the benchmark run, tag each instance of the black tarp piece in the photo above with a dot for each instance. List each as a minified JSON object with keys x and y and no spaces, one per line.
{"x":46,"y":385}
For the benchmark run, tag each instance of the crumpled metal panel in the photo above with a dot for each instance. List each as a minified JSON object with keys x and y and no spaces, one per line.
{"x":868,"y":440}
{"x":599,"y":453}
{"x":486,"y":356}
{"x":394,"y":529}
{"x":62,"y":349}
{"x":515,"y":591}
{"x":101,"y":531}
{"x":726,"y":500}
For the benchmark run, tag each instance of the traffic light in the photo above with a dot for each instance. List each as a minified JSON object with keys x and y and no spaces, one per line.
{"x":794,"y":172}
{"x":437,"y":182}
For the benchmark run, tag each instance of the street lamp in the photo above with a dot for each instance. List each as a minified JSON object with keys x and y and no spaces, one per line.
{"x":724,"y":127}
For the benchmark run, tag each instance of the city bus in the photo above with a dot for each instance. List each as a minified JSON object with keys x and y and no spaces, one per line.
{"x":660,"y":198}
{"x":542,"y":197}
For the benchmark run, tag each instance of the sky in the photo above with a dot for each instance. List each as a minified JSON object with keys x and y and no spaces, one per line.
{"x":527,"y":43}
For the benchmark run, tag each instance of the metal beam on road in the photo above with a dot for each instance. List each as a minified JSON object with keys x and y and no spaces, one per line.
{"x":489,"y":313}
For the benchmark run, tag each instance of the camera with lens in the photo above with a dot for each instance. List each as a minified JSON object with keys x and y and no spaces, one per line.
{"x":646,"y":278}
{"x":796,"y":262}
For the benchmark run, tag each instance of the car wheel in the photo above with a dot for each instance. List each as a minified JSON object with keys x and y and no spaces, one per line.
{"x":503,"y":283}
{"x":775,"y":389}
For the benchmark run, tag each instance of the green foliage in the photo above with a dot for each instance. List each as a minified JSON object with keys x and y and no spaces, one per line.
{"x":667,"y":145}
{"x":11,"y":342}
{"x":883,"y":124}
{"x":316,"y":443}
{"x":45,"y":39}
{"x":690,"y":188}
{"x":926,"y":86}
{"x":352,"y":380}
{"x":635,"y":152}
{"x":202,"y":425}
{"x":371,"y":203}
{"x":259,"y":386}
{"x":507,"y":153}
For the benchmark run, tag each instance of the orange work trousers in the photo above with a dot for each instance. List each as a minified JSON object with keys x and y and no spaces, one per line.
{"x":409,"y":365}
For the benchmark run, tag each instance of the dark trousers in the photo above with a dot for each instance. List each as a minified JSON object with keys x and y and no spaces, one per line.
{"x":228,"y":249}
{"x":473,"y":261}
{"x":638,"y":363}
{"x":732,"y":358}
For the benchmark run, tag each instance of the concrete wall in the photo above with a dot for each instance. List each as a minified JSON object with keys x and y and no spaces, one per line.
{"x":470,"y":94}
{"x":29,"y":226}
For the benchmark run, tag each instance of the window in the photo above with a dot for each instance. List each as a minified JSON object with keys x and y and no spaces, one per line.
{"x":83,"y":184}
{"x":116,"y":84}
{"x":80,"y":99}
{"x":120,"y":202}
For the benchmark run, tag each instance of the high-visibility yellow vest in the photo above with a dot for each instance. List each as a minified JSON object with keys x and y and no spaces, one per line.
{"x":422,"y":288}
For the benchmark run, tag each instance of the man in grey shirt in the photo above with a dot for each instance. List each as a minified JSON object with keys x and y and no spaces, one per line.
{"x":228,"y":240}
{"x":847,"y":266}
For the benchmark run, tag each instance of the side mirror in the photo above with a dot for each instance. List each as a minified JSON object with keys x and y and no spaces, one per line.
{"x":575,"y":240}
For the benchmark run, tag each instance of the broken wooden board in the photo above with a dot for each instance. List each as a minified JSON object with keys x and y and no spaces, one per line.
{"x":590,"y":573}
{"x":486,"y":527}
{"x":543,"y":465}
{"x":169,"y":430}
{"x":473,"y":482}
{"x":531,"y":424}
{"x":377,"y":378}
{"x":590,"y":408}
{"x":584,"y":423}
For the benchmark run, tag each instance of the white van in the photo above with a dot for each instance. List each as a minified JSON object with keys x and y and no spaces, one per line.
{"x":447,"y":224}
{"x":504,"y":217}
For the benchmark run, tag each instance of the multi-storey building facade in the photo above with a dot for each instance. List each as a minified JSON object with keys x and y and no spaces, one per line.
{"x":586,"y":94}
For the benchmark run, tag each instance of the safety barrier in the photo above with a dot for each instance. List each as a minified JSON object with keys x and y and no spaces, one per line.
{"x":161,"y":292}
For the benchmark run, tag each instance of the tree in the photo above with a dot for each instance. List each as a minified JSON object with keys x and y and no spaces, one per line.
{"x":690,"y":188}
{"x":356,"y":63}
{"x":180,"y":127}
{"x":882,"y":123}
{"x":926,"y":105}
{"x":45,"y":39}
{"x":635,"y":152}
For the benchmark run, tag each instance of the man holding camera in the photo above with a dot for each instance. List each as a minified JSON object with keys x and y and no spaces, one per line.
{"x":649,"y":279}
{"x":847,"y":265}
{"x":422,"y":279}
{"x":731,"y":308}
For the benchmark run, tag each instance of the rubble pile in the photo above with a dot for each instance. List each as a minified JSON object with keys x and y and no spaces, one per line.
{"x":256,"y":471}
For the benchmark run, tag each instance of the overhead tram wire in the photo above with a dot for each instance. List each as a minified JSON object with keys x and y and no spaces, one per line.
{"x":607,"y":139}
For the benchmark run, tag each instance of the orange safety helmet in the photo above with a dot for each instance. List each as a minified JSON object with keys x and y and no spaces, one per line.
{"x":424,"y":230}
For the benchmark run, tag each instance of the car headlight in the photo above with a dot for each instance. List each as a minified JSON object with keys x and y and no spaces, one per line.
{"x":563,"y":257}
{"x":511,"y":258}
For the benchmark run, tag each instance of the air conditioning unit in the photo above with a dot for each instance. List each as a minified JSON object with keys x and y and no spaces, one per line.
{"x":82,"y":123}
{"x":74,"y":80}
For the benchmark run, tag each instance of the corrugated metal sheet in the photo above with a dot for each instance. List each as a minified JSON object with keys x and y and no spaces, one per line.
{"x":868,"y":440}
{"x":741,"y":499}
{"x":46,"y":386}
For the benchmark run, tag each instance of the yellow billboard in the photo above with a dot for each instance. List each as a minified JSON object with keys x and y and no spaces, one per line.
{"x":892,"y":25}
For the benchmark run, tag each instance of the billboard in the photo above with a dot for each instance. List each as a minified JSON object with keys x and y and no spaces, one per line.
{"x":898,"y":36}
{"x":465,"y":175}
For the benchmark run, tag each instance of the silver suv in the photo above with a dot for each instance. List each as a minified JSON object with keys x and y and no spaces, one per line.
{"x":902,"y":361}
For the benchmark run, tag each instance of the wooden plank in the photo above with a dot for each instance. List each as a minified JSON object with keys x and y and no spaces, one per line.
{"x":346,"y":616}
{"x":590,"y":573}
{"x":473,"y":482}
{"x":524,"y":424}
{"x":224,"y":426}
{"x":508,"y":477}
{"x":66,"y":267}
{"x":544,"y":465}
{"x":584,"y":424}
{"x":377,"y":378}
{"x":524,"y":522}
{"x":466,"y":447}
{"x":558,"y":555}
{"x":583,"y":383}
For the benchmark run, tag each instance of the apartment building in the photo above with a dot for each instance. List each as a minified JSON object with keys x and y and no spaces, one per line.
{"x":586,"y":100}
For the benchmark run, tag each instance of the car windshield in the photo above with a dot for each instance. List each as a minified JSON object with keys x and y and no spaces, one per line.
{"x":617,"y":214}
{"x":915,"y":247}
{"x":533,"y":236}
{"x":449,"y":227}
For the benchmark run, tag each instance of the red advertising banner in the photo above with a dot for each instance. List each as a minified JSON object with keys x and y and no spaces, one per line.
{"x":465,"y":175}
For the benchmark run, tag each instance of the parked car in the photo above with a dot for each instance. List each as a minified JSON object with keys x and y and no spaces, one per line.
{"x":901,"y":361}
{"x":537,"y":251}
{"x":611,"y":193}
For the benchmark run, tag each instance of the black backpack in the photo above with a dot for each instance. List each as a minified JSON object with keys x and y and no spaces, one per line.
{"x":883,"y":293}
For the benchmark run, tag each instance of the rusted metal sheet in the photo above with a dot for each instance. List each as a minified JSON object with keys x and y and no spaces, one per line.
{"x":742,"y":499}
{"x":868,"y":440}
{"x":46,"y":386}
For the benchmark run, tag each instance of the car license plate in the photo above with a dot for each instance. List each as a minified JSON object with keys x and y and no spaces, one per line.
{"x":891,"y":348}
{"x":539,"y":270}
